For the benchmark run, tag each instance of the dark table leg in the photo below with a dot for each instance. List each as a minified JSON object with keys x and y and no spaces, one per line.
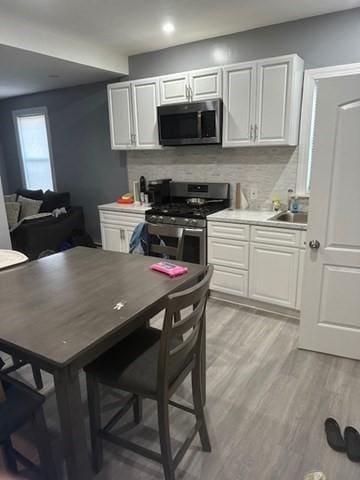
{"x":68,"y":396}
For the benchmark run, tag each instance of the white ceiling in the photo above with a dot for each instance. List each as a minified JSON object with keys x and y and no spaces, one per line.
{"x":24,"y":72}
{"x":85,"y":40}
{"x":133,"y":26}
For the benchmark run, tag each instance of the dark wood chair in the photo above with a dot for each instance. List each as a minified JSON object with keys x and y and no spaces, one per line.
{"x":170,"y":232}
{"x":153,"y":363}
{"x":19,"y":405}
{"x":18,"y":363}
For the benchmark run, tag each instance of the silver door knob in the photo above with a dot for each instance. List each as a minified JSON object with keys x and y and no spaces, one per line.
{"x":314,"y":244}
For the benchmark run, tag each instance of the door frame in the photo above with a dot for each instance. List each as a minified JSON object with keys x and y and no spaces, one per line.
{"x":307,"y":116}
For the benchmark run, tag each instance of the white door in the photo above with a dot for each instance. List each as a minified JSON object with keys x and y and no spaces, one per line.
{"x":239,"y":104}
{"x":273,"y":101}
{"x":113,"y":238}
{"x":205,"y":84}
{"x":145,"y":94}
{"x":174,"y":88}
{"x":330,"y":310}
{"x":273,"y":274}
{"x":300,"y":278}
{"x":120,"y":115}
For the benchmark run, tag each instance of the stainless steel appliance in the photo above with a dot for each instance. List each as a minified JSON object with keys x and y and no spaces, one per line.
{"x":159,"y":191}
{"x":190,"y":123}
{"x":189,"y":206}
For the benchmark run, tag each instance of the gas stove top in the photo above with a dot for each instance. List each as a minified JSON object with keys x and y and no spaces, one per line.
{"x":184,"y":211}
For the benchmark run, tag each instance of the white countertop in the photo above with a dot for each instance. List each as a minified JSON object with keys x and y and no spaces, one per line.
{"x":252,"y":217}
{"x":129,"y":208}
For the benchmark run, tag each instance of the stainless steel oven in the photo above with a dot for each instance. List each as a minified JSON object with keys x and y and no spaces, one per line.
{"x":190,"y":123}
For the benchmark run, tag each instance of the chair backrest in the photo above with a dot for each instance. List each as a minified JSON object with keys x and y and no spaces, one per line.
{"x":182,"y":330}
{"x":168,"y":231}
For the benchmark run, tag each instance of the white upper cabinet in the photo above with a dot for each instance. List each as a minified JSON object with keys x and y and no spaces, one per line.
{"x":174,"y":88}
{"x":205,"y":84}
{"x":191,"y":86}
{"x":145,"y":94}
{"x":239,"y":104}
{"x":120,"y":115}
{"x":262,"y":102}
{"x":279,"y":88}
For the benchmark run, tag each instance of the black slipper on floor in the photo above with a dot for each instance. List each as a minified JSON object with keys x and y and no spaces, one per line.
{"x":352,"y":442}
{"x":334,"y":436}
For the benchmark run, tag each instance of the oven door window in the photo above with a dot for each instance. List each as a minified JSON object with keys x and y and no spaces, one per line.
{"x":178,"y":126}
{"x":208,"y":124}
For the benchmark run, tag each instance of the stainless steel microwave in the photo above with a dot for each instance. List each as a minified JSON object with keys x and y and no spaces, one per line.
{"x":190,"y":123}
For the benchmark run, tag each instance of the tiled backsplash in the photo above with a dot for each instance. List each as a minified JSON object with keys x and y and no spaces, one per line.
{"x":272,"y":170}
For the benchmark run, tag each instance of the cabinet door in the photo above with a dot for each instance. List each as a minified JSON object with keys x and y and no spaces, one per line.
{"x":300,"y":278}
{"x":230,"y":280}
{"x":205,"y":84}
{"x":273,"y":274}
{"x":279,"y":86}
{"x":145,"y":94}
{"x":174,"y":88}
{"x":239,"y":104}
{"x":120,"y":114}
{"x":228,"y":252}
{"x":113,"y":238}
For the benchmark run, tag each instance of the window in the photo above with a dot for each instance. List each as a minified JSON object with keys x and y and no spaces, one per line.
{"x":308,"y":119}
{"x":33,"y":139}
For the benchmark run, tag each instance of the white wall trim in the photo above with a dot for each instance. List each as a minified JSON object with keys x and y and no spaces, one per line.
{"x":307,"y":113}
{"x":28,"y":112}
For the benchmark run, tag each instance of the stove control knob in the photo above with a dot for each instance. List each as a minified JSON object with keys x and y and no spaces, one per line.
{"x":161,"y":218}
{"x":186,"y":220}
{"x":193,"y":222}
{"x":172,"y":219}
{"x":153,"y":217}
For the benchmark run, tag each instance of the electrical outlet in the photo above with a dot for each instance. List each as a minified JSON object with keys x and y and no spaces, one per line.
{"x":253,"y":193}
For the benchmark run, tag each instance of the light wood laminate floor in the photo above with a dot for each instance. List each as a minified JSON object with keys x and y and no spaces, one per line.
{"x":266,"y":405}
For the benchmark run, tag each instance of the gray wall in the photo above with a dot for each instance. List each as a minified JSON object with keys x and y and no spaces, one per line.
{"x":84,"y":163}
{"x":325,"y":40}
{"x":3,"y":170}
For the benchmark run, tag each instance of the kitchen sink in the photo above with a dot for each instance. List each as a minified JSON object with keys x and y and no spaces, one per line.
{"x":298,"y":217}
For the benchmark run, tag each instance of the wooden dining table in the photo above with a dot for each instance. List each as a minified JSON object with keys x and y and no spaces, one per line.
{"x":61,"y":312}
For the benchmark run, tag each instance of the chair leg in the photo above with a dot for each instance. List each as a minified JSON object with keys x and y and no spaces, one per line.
{"x":43,"y":445}
{"x":9,"y":457}
{"x":138,"y":411}
{"x":93,"y":394}
{"x":37,"y":377}
{"x":165,"y":441}
{"x":199,"y":408}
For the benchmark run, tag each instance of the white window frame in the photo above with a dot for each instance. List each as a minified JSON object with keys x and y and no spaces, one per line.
{"x":28,"y":112}
{"x":311,"y":78}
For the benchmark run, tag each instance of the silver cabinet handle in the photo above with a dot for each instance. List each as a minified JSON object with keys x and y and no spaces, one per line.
{"x":255,"y":133}
{"x":133,"y":139}
{"x":251,"y":131}
{"x":190,"y":93}
{"x":314,"y":244}
{"x":187,"y":92}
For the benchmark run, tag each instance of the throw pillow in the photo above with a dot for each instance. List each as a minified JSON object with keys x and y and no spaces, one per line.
{"x":28,"y":206}
{"x":10,"y":198}
{"x":12,"y":212}
{"x":53,"y":200}
{"x":33,"y":194}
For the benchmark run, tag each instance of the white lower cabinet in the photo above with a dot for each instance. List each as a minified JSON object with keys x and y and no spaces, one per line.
{"x":266,"y":265}
{"x":117,"y":228}
{"x":273,"y":274}
{"x":230,"y":280}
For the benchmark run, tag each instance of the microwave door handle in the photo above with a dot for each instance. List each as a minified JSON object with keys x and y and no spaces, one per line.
{"x":199,"y":123}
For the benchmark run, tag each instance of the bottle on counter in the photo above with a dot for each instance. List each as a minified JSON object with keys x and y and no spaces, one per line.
{"x":142,"y":189}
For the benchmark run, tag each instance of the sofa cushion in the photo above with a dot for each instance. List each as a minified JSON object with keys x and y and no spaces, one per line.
{"x":12,"y":212}
{"x":28,"y":206}
{"x":53,"y":200}
{"x":33,"y":194}
{"x":10,"y":198}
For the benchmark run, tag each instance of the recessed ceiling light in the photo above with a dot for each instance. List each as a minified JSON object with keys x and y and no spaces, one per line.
{"x":168,"y":27}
